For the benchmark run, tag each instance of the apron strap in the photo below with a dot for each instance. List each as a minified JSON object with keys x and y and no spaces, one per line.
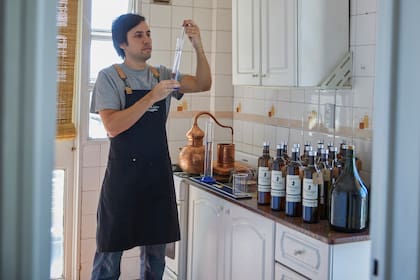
{"x":155,"y":73}
{"x":123,"y":76}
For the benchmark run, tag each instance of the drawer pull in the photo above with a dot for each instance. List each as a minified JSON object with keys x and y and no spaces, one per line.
{"x":299,"y":252}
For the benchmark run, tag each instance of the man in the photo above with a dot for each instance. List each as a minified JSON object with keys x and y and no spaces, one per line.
{"x":137,"y":206}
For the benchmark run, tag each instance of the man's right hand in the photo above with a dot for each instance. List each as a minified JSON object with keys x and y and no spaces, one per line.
{"x":163,"y":89}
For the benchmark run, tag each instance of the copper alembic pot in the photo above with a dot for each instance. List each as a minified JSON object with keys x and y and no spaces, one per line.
{"x":191,"y":157}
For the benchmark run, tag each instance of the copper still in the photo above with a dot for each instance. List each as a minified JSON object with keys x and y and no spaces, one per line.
{"x":191,"y":157}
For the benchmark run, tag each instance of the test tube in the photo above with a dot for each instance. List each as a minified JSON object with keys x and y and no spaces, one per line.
{"x":178,"y":54}
{"x":208,"y":153}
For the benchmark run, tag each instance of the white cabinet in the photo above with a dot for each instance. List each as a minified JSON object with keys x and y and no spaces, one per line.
{"x":287,"y":42}
{"x":226,"y":241}
{"x":318,"y":260}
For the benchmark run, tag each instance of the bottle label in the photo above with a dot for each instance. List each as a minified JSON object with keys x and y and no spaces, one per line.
{"x":263,"y":188}
{"x":277,"y":181}
{"x":264,"y":176}
{"x":278,"y":193}
{"x":293,"y":188}
{"x":310,"y":193}
{"x":317,"y":178}
{"x":309,"y":203}
{"x":326,"y":174}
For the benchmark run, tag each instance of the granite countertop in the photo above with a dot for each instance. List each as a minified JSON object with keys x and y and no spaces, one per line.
{"x":320,"y":231}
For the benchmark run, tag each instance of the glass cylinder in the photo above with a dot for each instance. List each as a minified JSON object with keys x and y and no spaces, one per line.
{"x":208,"y":153}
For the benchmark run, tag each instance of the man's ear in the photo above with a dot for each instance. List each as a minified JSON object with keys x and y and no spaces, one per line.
{"x":123,"y":45}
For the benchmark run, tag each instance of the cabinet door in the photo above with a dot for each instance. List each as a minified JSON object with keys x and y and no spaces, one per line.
{"x":249,"y":245}
{"x":246,"y":42}
{"x":204,"y":240}
{"x":279,"y":42}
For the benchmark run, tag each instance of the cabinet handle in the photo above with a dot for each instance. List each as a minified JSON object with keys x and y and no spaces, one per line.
{"x":254,"y":75}
{"x":264,"y":75}
{"x":299,"y":252}
{"x":227,"y":211}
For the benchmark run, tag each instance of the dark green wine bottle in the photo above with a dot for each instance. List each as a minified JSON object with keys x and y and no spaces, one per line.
{"x":349,"y":198}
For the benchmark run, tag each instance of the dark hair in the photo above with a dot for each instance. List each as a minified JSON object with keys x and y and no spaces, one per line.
{"x":120,"y":28}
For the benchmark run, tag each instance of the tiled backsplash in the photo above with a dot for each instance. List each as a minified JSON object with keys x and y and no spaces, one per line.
{"x":256,"y":113}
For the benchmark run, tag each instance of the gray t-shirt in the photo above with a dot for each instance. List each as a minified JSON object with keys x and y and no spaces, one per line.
{"x":108,"y":92}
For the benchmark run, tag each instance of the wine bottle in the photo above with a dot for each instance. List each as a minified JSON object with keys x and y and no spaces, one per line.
{"x":264,"y":175}
{"x":305,"y":157}
{"x":349,"y":198}
{"x":285,"y":154}
{"x":318,"y":151}
{"x":311,"y":191}
{"x":278,"y":181}
{"x":335,"y":164}
{"x":342,"y":153}
{"x":326,"y":185}
{"x":293,"y":186}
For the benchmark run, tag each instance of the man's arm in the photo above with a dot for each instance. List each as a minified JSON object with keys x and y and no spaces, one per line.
{"x":117,"y":121}
{"x":202,"y":79}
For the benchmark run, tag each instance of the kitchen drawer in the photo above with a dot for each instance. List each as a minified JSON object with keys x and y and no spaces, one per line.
{"x":301,"y":253}
{"x":283,"y":273}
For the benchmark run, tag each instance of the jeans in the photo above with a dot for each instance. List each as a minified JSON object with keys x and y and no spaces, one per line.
{"x":106,"y":265}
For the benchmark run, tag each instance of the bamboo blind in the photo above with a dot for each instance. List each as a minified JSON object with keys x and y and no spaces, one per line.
{"x":66,"y":54}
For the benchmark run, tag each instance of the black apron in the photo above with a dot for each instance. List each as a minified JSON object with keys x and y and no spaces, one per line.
{"x":137,"y":205}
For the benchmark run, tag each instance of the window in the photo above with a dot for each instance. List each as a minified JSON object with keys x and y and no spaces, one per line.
{"x":102,"y":53}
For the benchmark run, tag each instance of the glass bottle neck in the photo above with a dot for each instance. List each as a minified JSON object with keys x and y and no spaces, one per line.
{"x":350,"y":162}
{"x":266,"y":151}
{"x":311,"y":160}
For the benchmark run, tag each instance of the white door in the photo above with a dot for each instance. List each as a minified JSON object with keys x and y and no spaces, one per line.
{"x":63,"y":218}
{"x":246,"y":39}
{"x":278,"y":42}
{"x":249,"y":245}
{"x":204,"y":222}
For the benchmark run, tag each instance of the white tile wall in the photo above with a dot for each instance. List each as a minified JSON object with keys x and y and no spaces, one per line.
{"x":366,"y":29}
{"x":366,"y":6}
{"x":161,"y":37}
{"x":364,"y":61}
{"x":160,"y":16}
{"x":90,"y":178}
{"x":363,"y":92}
{"x":222,"y":85}
{"x":91,"y":155}
{"x":203,"y":18}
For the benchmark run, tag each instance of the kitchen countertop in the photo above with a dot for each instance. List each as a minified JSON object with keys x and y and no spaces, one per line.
{"x":320,"y":231}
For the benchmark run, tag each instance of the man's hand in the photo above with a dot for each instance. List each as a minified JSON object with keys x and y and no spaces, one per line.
{"x":193,"y":33}
{"x":163,"y":89}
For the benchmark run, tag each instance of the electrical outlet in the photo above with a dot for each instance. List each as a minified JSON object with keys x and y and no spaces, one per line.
{"x":329,"y":115}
